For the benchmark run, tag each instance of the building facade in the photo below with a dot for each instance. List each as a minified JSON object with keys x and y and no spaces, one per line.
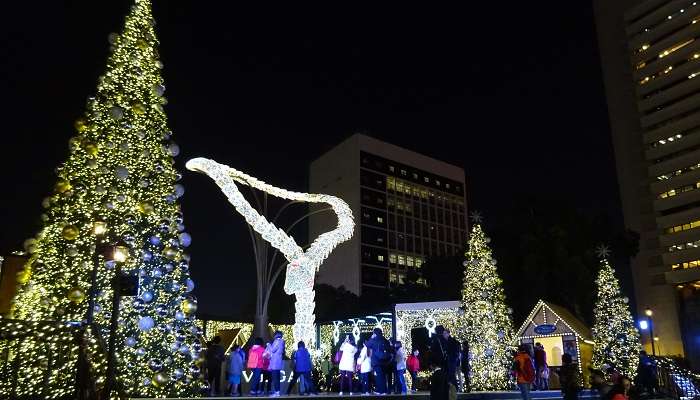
{"x":407,"y":208}
{"x":650,"y":53}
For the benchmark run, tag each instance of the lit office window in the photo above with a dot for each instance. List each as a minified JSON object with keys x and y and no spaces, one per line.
{"x":392,"y":258}
{"x":380,"y":257}
{"x":409,"y":261}
{"x":402,"y":259}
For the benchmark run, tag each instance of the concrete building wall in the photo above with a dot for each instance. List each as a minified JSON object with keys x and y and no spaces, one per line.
{"x":408,"y":206}
{"x":650,"y":53}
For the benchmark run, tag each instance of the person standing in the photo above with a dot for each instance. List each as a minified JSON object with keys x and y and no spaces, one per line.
{"x":303,"y":367}
{"x":365,"y":367}
{"x":569,"y":378}
{"x":380,"y":358}
{"x":464,"y":365}
{"x":400,"y":371}
{"x":445,"y":356}
{"x":542,"y":376}
{"x":215,"y":357}
{"x":276,"y":362}
{"x":413,"y":366}
{"x":524,"y":370}
{"x":347,"y":364}
{"x":235,"y":370}
{"x":255,"y":364}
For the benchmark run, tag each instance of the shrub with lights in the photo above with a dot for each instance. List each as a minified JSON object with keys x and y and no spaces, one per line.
{"x":614,"y":333}
{"x":119,"y":185}
{"x":487,"y":319}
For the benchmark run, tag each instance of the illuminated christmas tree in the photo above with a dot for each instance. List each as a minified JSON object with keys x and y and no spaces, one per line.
{"x":119,"y":185}
{"x":487,"y":322}
{"x":615,"y":335}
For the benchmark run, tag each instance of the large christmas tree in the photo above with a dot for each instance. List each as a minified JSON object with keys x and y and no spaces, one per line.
{"x":615,"y":335}
{"x":487,"y":322}
{"x":119,"y":185}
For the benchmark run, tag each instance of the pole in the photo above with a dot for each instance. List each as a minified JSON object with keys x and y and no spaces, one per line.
{"x":113,"y":325}
{"x":651,"y":332}
{"x":93,"y":288}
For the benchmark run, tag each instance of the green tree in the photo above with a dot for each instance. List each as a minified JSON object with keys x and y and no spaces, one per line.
{"x":487,"y":324}
{"x":120,"y":178}
{"x":614,"y":333}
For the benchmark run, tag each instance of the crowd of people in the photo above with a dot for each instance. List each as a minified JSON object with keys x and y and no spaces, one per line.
{"x":380,"y":366}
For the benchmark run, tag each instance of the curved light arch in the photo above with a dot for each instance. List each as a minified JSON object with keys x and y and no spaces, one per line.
{"x":303,"y":265}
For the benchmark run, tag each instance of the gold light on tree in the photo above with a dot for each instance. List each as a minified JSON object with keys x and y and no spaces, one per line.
{"x":119,"y":184}
{"x":302,"y":267}
{"x":614,"y":332}
{"x":487,"y":322}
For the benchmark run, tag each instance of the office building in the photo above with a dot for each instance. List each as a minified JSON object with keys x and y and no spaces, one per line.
{"x":408,"y":207}
{"x":650,"y":56}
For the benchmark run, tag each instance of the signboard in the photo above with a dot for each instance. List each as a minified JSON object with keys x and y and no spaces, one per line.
{"x":286,"y":375}
{"x":545,"y":329}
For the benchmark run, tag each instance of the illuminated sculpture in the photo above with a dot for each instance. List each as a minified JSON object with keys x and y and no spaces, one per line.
{"x":302,"y":266}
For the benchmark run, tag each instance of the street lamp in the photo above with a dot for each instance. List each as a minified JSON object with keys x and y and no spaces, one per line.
{"x":649,"y":313}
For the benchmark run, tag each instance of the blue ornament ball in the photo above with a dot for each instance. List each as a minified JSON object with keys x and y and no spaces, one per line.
{"x":130,"y":341}
{"x":146,"y":323}
{"x":190,"y":285}
{"x":179,"y":315}
{"x":147,"y":296}
{"x":179,"y":190}
{"x":155,"y":240}
{"x":147,"y":256}
{"x":185,"y":239}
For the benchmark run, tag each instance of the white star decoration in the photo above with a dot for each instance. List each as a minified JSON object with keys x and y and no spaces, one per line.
{"x":476,"y":217}
{"x":602,"y":251}
{"x":302,"y":266}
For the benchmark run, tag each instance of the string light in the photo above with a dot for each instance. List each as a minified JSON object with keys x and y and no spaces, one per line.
{"x":486,"y":321}
{"x":302,"y":267}
{"x":118,"y":184}
{"x":614,"y":333}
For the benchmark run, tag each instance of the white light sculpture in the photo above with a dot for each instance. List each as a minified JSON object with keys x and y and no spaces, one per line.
{"x":302,"y":266}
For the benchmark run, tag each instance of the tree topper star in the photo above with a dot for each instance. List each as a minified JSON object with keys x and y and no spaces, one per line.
{"x":476,"y":217}
{"x":602,"y":251}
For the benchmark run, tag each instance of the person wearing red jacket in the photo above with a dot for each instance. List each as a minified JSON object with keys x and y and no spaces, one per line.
{"x":413,"y":366}
{"x":255,"y":363}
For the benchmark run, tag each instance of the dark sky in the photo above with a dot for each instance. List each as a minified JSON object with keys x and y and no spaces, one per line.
{"x":511,"y":91}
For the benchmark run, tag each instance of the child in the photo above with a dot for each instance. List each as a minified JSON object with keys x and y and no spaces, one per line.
{"x":255,"y":363}
{"x":413,"y":366}
{"x":235,"y":369}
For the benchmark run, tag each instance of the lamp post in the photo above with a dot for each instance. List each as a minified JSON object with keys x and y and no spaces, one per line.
{"x":119,"y":253}
{"x":99,"y":229}
{"x":649,"y":313}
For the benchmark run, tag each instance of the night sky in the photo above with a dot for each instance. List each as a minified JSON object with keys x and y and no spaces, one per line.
{"x":510,"y":91}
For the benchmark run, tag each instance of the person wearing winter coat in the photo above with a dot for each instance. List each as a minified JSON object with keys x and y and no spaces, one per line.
{"x":266,"y":376}
{"x":303,"y":367}
{"x":347,"y":364}
{"x":569,"y":378}
{"x":276,"y":362}
{"x":365,"y":367}
{"x":400,"y":371}
{"x":255,"y":364}
{"x":413,"y":366}
{"x":235,"y":370}
{"x":524,"y":370}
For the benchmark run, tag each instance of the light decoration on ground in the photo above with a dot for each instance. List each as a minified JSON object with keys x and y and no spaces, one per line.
{"x":487,"y":319}
{"x":615,"y":336}
{"x":427,"y":316}
{"x":302,"y":267}
{"x":118,"y":184}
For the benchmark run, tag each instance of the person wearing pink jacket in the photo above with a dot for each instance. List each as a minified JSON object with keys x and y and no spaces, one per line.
{"x":255,"y":364}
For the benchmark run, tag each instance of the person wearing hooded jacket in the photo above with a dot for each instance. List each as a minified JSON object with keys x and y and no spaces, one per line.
{"x":276,"y":351}
{"x":347,"y":363}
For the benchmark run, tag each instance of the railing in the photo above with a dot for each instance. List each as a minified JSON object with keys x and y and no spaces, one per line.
{"x":50,"y":360}
{"x":677,"y":382}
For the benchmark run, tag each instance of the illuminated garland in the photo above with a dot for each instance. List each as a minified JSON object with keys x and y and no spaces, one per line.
{"x":614,"y":333}
{"x":487,"y":322}
{"x":302,"y":266}
{"x":245,"y":330}
{"x":119,"y":184}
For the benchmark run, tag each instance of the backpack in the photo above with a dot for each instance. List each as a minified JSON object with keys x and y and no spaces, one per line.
{"x":387,"y":353}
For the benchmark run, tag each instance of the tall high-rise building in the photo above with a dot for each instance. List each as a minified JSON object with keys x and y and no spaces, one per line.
{"x":650,"y":53}
{"x":407,"y":207}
